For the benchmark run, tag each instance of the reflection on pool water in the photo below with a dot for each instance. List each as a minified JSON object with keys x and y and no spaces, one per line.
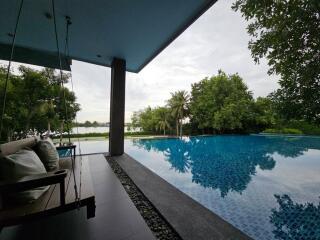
{"x":267,"y":186}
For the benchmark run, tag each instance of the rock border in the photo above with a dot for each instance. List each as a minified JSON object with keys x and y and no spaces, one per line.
{"x":160,"y":228}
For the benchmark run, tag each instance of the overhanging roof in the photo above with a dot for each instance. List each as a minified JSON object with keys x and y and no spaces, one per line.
{"x":101,"y":29}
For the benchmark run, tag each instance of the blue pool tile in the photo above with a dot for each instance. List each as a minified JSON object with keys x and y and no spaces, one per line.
{"x":267,"y":186}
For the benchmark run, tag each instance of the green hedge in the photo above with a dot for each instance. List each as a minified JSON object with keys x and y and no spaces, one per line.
{"x":294,"y":127}
{"x":283,"y":131}
{"x":305,"y":127}
{"x":106,"y":135}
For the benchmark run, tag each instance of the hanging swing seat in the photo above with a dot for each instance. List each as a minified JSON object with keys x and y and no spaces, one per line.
{"x":59,"y":198}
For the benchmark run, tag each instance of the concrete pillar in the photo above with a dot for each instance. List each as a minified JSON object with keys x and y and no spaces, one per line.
{"x":117,"y":107}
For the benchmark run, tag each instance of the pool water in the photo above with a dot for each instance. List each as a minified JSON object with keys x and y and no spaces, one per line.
{"x":64,"y":153}
{"x":267,"y":186}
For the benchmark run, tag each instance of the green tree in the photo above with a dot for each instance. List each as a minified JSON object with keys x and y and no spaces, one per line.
{"x":135,"y":120}
{"x":178,"y":103}
{"x":145,"y":120}
{"x":163,"y":122}
{"x":198,"y":106}
{"x":60,"y":106}
{"x":222,"y":103}
{"x":152,"y":120}
{"x":36,"y":103}
{"x":14,"y":114}
{"x":286,"y":33}
{"x":33,"y":92}
{"x":265,"y":113}
{"x":87,"y":123}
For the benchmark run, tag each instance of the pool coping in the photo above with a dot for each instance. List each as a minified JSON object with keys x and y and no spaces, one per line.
{"x":190,"y":219}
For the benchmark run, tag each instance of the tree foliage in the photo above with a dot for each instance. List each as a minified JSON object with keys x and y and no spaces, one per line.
{"x":153,"y":120}
{"x":286,"y":33}
{"x":36,"y":102}
{"x":225,"y":104}
{"x":220,"y":104}
{"x":178,"y":105}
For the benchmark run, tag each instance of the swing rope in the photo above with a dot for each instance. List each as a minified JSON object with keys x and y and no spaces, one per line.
{"x":60,"y":68}
{"x":77,"y":196}
{"x":8,"y":69}
{"x":67,"y":54}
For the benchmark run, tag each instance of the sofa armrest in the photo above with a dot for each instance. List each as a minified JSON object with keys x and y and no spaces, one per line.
{"x":34,"y":181}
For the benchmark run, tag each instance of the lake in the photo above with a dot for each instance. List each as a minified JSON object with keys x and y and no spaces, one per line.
{"x":96,"y":130}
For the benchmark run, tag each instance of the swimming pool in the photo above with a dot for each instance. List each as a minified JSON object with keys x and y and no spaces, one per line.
{"x":267,"y":186}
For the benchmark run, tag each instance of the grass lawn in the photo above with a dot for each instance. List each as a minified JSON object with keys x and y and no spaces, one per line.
{"x":101,"y":138}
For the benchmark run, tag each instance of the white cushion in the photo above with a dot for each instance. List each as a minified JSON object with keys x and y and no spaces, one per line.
{"x":23,"y":163}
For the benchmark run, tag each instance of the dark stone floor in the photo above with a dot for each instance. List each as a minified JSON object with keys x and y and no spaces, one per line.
{"x":116,"y":216}
{"x":157,"y":224}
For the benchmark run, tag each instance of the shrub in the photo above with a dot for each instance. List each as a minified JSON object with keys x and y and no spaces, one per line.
{"x":305,"y":127}
{"x":291,"y":131}
{"x":283,"y":131}
{"x":271,"y":130}
{"x":105,"y":134}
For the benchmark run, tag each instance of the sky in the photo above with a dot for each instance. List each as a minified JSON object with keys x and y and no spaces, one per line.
{"x":217,"y":40}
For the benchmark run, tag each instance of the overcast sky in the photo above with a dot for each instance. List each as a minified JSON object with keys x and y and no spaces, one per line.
{"x":217,"y":40}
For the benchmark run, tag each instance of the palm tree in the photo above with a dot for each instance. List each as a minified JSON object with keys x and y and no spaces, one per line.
{"x":48,"y":109}
{"x":178,"y":104}
{"x":162,"y":116}
{"x":163,"y":125}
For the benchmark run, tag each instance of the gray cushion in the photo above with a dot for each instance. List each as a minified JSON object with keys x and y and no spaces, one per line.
{"x":48,"y":154}
{"x":23,"y":163}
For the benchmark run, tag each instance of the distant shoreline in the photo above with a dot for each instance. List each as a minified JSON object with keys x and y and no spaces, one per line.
{"x":142,"y":135}
{"x":104,"y":136}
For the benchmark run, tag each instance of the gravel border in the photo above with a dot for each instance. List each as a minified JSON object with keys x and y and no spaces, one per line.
{"x":160,"y":228}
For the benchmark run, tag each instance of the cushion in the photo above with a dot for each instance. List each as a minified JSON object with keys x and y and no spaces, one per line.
{"x":23,"y":163}
{"x":48,"y":154}
{"x":14,"y":146}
